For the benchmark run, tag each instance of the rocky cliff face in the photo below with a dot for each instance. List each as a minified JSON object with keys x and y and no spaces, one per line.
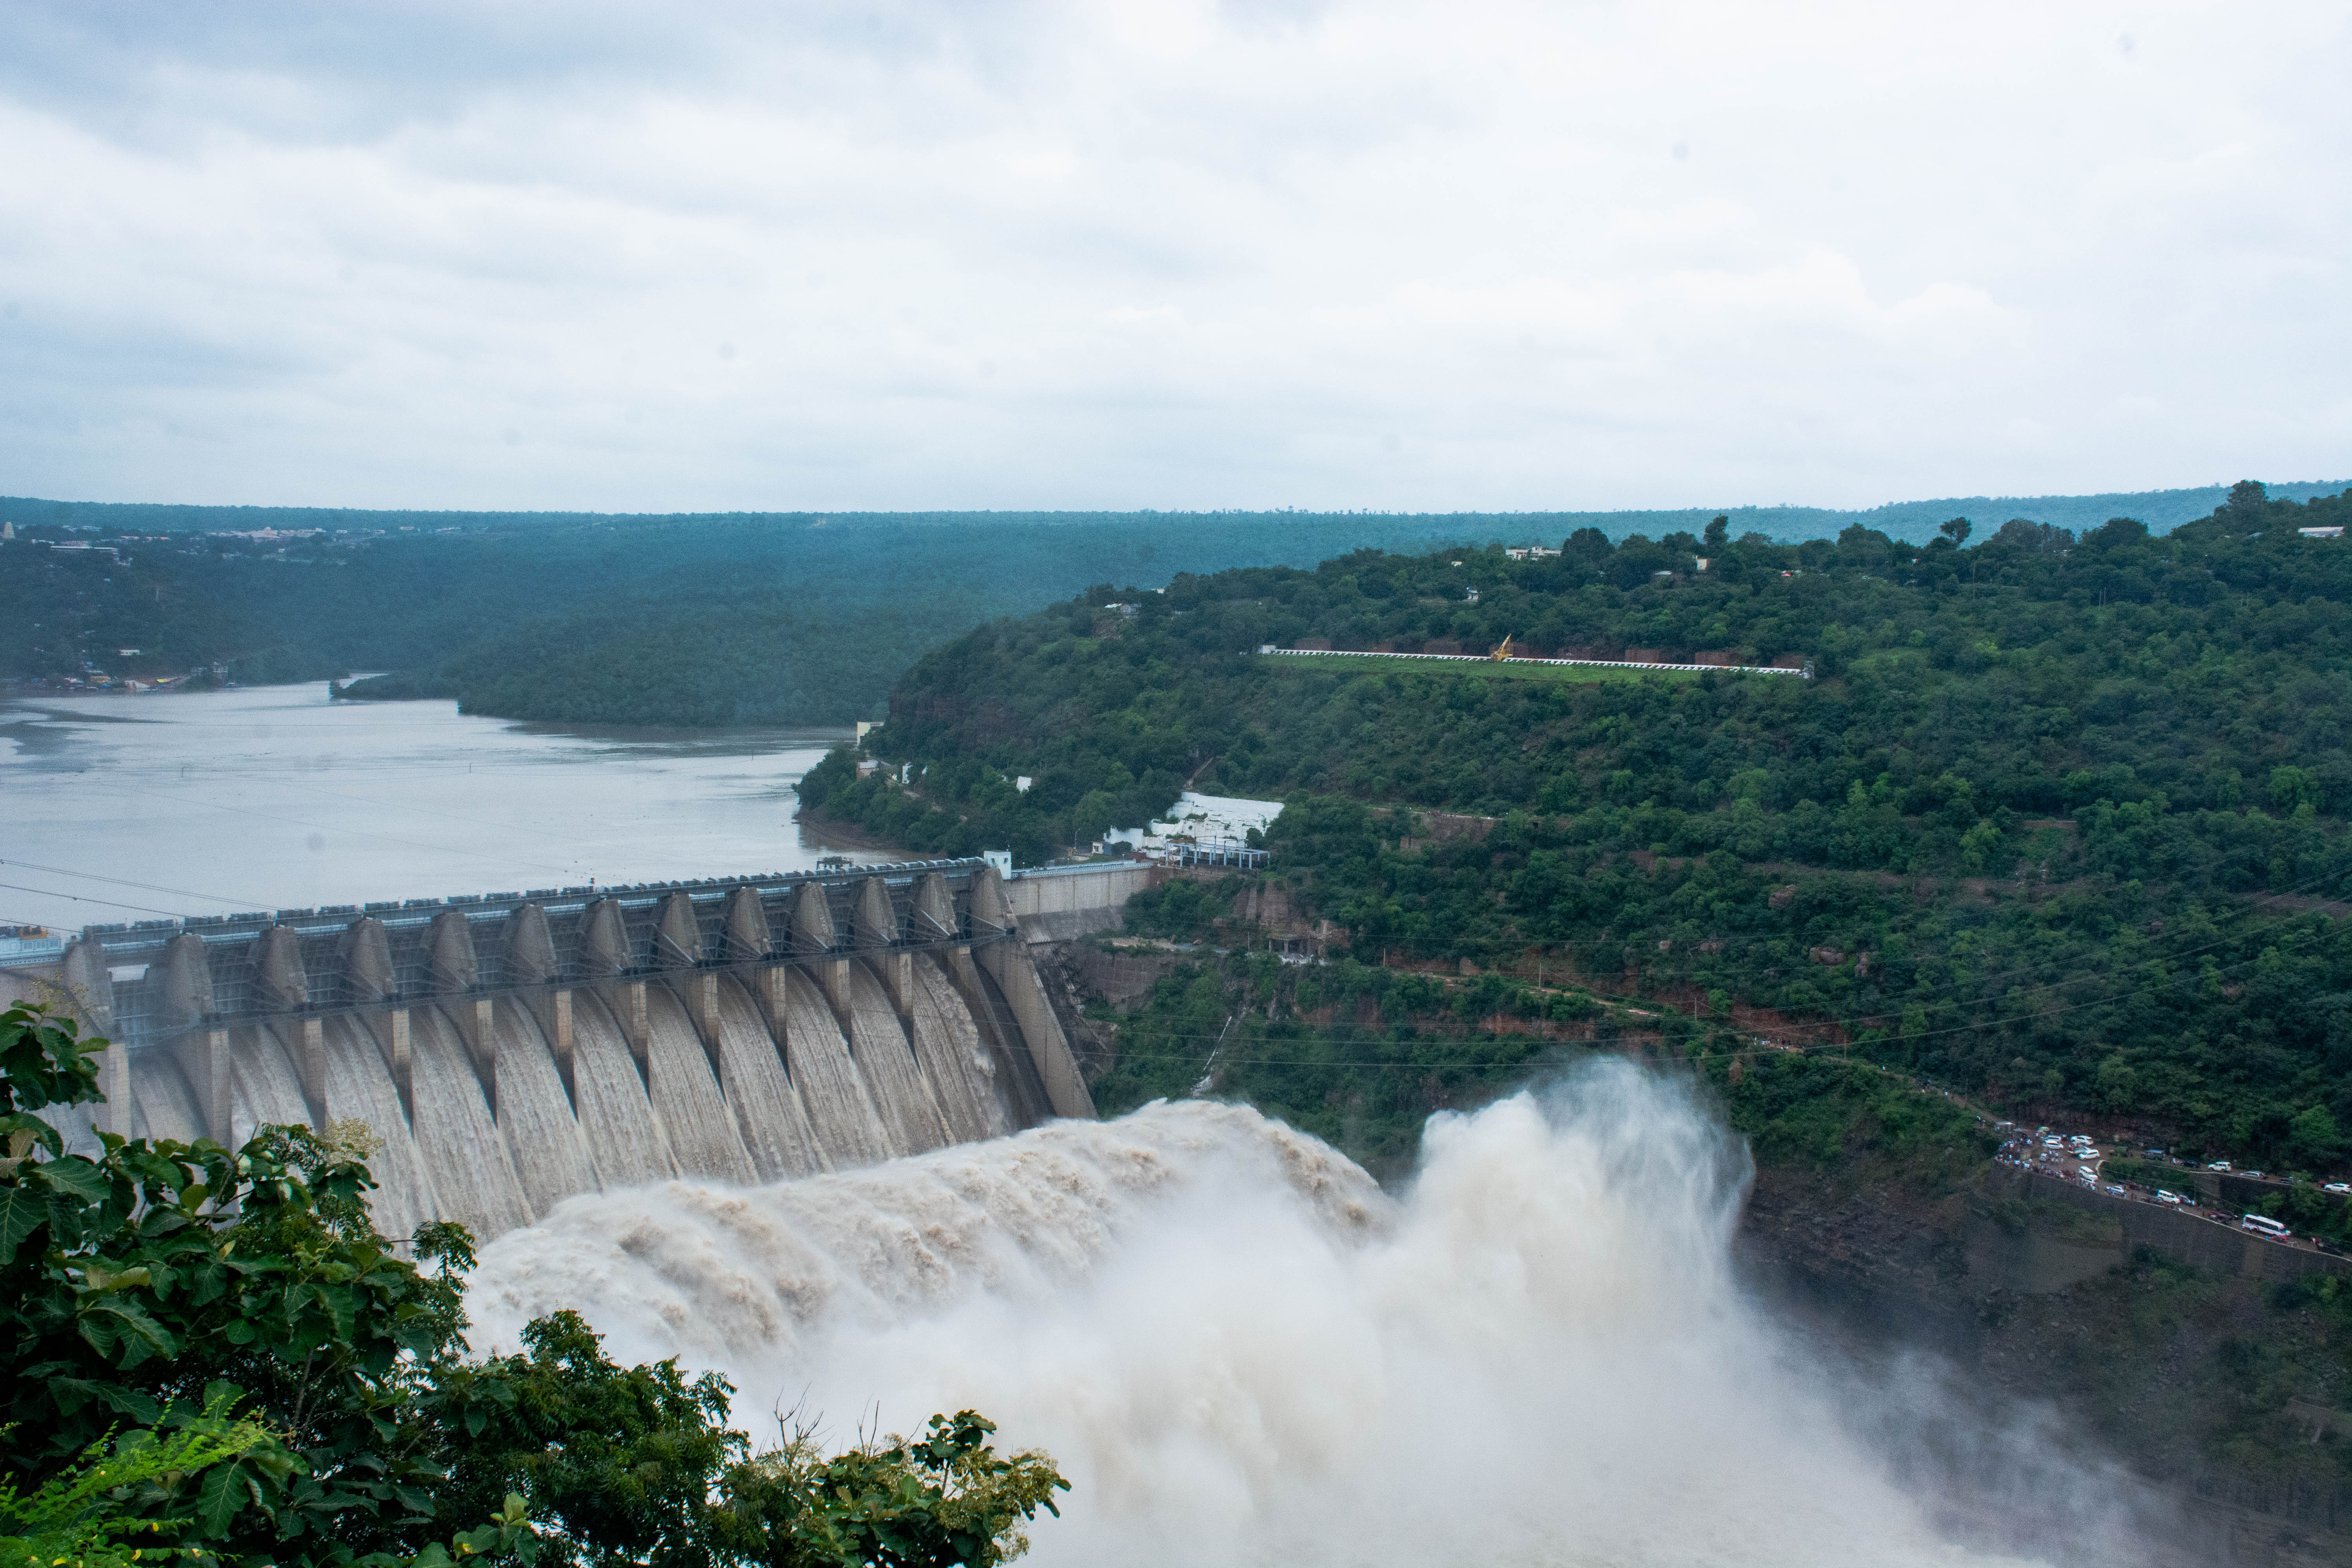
{"x":2219,"y":1388}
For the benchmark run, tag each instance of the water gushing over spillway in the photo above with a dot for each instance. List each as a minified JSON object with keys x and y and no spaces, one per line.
{"x":1241,"y":1350}
{"x":509,"y":1051}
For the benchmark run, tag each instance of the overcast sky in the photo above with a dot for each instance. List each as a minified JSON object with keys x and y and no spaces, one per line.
{"x":1168,"y":253}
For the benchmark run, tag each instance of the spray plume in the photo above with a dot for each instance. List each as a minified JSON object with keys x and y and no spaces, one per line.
{"x":1241,"y":1350}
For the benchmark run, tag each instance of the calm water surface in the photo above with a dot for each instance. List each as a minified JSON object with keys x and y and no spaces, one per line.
{"x":124,"y":808}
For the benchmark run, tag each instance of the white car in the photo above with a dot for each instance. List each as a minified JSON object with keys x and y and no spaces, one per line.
{"x":2337,"y":1188}
{"x":2115,"y":1192}
{"x":2164,"y":1197}
{"x":2050,"y":1142}
{"x":2087,"y":1173}
{"x":2219,"y":1165}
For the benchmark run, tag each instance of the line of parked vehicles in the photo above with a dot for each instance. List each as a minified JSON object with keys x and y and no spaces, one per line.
{"x":2046,"y":1152}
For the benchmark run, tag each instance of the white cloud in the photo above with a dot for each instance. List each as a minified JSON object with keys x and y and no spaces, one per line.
{"x":1169,"y":255}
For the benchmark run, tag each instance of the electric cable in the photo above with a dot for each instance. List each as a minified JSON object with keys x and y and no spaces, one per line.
{"x":362,"y":833}
{"x":1308,"y":1061}
{"x":163,"y":790}
{"x":2245,"y":912}
{"x":79,"y":899}
{"x":403,"y":806}
{"x":121,"y":882}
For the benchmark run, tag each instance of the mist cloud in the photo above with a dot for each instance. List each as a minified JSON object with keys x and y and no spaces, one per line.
{"x":1241,"y":1352}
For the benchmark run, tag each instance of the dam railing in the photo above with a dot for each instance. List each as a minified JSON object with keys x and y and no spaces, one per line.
{"x":164,"y":977}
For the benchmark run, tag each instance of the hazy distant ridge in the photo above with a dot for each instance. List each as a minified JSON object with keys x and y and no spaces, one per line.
{"x":1915,"y":521}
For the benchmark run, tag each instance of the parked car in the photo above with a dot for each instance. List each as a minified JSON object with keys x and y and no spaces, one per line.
{"x":2115,"y":1192}
{"x":2219,"y":1165}
{"x":2337,"y":1188}
{"x":2164,"y":1197}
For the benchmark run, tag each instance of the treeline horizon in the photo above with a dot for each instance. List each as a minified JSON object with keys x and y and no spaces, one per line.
{"x":1913,"y":522}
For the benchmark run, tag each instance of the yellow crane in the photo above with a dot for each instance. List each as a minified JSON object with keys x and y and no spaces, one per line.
{"x":1503,"y":649}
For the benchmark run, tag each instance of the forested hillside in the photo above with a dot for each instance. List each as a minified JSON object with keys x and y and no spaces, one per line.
{"x":694,"y":620}
{"x":2013,"y":834}
{"x":761,"y":618}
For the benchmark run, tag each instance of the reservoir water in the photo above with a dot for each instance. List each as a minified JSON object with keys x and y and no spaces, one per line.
{"x":132,"y":807}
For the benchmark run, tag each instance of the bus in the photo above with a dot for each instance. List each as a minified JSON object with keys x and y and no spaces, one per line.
{"x":2263,"y":1225}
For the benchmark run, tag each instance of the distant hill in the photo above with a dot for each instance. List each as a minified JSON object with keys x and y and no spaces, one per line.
{"x":1915,"y":522}
{"x":710,"y":619}
{"x":1911,"y":522}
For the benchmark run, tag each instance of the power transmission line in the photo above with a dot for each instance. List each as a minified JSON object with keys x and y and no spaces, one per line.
{"x":77,"y":897}
{"x":121,"y":882}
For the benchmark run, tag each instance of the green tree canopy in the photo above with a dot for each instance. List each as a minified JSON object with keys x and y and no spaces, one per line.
{"x":239,"y":1313}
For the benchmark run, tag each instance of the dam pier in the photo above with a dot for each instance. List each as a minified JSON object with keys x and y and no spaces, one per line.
{"x":508,"y":1050}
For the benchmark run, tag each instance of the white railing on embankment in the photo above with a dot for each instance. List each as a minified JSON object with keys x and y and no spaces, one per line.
{"x":1489,"y":658}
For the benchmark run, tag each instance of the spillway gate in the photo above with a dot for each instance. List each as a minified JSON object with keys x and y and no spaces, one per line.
{"x":560,"y":1040}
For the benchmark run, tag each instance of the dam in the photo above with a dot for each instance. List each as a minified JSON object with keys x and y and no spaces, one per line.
{"x":507,"y":1051}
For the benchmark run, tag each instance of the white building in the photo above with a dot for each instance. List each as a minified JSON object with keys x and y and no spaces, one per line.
{"x":1198,"y":820}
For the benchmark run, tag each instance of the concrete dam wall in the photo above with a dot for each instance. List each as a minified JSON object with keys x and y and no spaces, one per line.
{"x":512,"y":1050}
{"x":1061,"y":903}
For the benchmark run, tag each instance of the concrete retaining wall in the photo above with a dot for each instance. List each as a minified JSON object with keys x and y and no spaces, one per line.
{"x":1064,"y":902}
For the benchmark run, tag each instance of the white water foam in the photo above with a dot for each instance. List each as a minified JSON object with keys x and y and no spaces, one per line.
{"x":1241,"y":1351}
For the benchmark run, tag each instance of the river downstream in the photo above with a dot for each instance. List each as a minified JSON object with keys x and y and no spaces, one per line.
{"x":134,"y":807}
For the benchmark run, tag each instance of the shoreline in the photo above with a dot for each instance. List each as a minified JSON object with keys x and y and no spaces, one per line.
{"x":834,"y":834}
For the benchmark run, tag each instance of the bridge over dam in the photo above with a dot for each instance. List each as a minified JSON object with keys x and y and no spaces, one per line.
{"x":509,"y":1050}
